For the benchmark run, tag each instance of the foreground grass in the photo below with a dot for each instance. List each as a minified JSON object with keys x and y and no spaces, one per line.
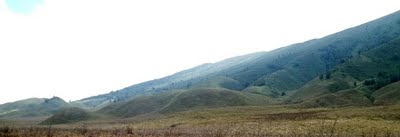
{"x":235,"y":121}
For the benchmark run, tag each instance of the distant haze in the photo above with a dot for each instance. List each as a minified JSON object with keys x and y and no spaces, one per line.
{"x":79,"y":48}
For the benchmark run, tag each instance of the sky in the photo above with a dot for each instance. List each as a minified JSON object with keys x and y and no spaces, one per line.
{"x":79,"y":48}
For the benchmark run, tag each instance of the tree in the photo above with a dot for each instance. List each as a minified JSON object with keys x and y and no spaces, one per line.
{"x":328,"y":75}
{"x":393,"y":78}
{"x":398,"y":77}
{"x":189,"y":84}
{"x":369,"y":82}
{"x":382,"y":75}
{"x":395,"y":58}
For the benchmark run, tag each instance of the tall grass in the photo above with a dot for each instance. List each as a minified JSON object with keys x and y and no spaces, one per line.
{"x":320,"y":129}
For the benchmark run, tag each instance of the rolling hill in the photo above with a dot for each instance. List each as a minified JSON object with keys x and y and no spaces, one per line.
{"x":34,"y":107}
{"x":177,"y":101}
{"x":388,"y":95}
{"x":70,"y":115}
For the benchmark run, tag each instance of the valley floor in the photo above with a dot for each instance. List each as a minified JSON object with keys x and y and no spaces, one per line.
{"x":233,"y":121}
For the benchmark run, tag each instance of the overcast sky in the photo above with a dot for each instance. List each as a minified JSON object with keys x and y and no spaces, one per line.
{"x":79,"y":48}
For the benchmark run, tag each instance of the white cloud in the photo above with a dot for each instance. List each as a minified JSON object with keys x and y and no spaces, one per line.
{"x":77,"y":48}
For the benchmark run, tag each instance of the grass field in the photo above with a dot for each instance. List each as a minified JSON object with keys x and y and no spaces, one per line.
{"x":232,"y":121}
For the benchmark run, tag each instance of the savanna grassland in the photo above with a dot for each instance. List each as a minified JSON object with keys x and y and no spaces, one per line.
{"x":232,"y":121}
{"x":342,"y":85}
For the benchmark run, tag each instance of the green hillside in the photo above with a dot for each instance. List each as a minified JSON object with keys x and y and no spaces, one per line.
{"x":34,"y":107}
{"x":277,"y":72}
{"x":212,"y":98}
{"x":388,"y":95}
{"x":367,"y":73}
{"x":70,"y":115}
{"x":22,"y":104}
{"x":183,"y":100}
{"x":139,"y":105}
{"x":220,"y":82}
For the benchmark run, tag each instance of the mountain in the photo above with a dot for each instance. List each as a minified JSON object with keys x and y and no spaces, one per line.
{"x":285,"y":71}
{"x":33,"y":107}
{"x":359,"y":66}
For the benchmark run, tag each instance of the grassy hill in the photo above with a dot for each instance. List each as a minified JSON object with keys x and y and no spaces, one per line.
{"x":388,"y":95}
{"x":139,"y":105}
{"x":184,"y":100}
{"x":212,"y":98}
{"x":17,"y":105}
{"x":70,"y":115}
{"x":34,"y":107}
{"x":220,"y":82}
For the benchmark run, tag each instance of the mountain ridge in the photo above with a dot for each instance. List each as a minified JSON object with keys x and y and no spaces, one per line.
{"x":341,"y":69}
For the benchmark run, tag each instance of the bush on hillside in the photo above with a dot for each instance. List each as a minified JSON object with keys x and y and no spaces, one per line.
{"x":337,"y":86}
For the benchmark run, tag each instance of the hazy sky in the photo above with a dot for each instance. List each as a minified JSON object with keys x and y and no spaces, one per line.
{"x":79,"y":48}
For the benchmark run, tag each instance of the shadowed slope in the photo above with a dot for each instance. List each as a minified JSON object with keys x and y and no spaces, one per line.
{"x":70,"y":115}
{"x":389,"y":94}
{"x":368,"y":74}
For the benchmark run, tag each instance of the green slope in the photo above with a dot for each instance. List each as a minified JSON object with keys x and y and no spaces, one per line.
{"x":34,"y":107}
{"x":342,"y":98}
{"x":139,"y":105}
{"x":21,"y":104}
{"x":220,"y":82}
{"x":212,"y":98}
{"x":380,"y":66}
{"x":70,"y":115}
{"x":279,"y":71}
{"x":389,"y":94}
{"x":183,"y":100}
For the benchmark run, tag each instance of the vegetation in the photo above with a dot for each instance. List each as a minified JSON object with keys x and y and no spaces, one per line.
{"x":34,"y":107}
{"x":388,"y":95}
{"x":359,"y":52}
{"x":237,"y":122}
{"x":344,"y":84}
{"x":183,"y":100}
{"x":69,"y":115}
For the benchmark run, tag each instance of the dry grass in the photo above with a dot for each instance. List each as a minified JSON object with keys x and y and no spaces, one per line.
{"x":235,"y":122}
{"x":329,"y":129}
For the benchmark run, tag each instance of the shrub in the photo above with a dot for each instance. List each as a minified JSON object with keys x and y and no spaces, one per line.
{"x":369,"y":82}
{"x":328,"y":75}
{"x":337,"y":86}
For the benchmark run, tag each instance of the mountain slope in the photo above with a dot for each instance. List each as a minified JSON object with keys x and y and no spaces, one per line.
{"x":368,"y":73}
{"x":183,"y":100}
{"x":70,"y":115}
{"x":388,"y":95}
{"x":33,"y":107}
{"x":270,"y":73}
